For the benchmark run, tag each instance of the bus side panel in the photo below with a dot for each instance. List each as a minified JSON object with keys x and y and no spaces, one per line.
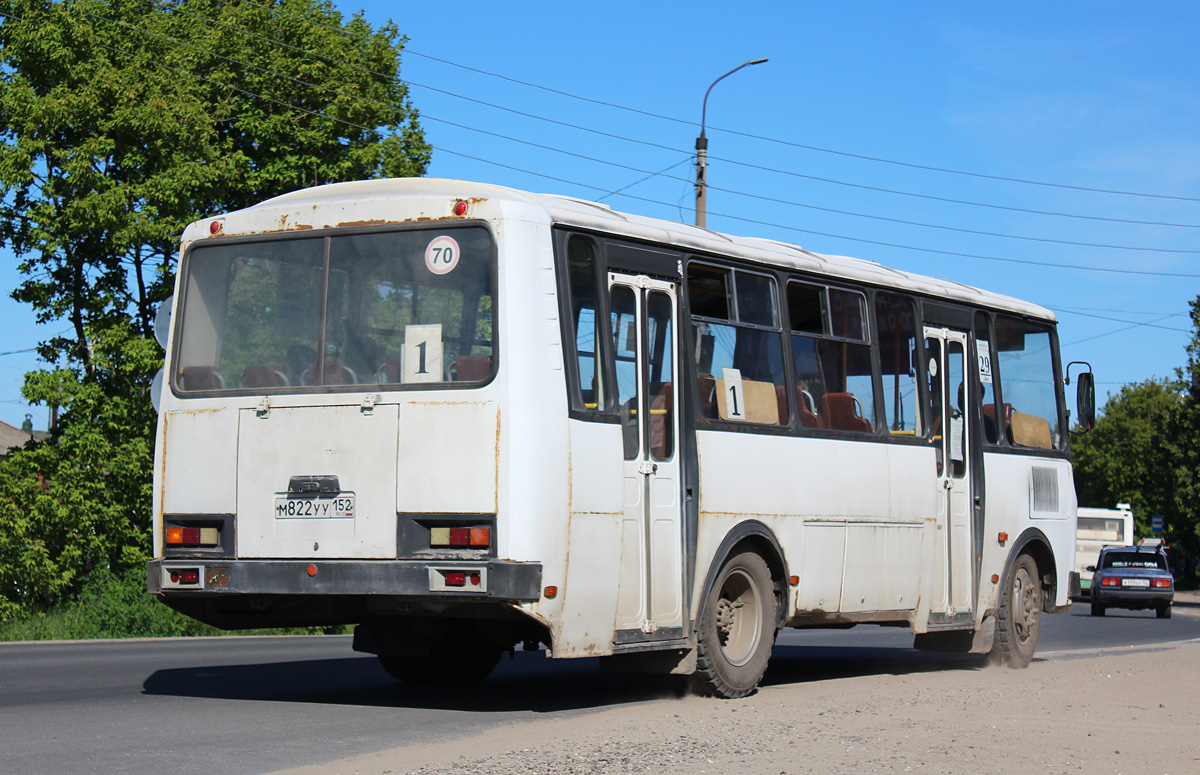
{"x":851,"y":530}
{"x":532,"y":512}
{"x":594,"y":549}
{"x":1015,"y":503}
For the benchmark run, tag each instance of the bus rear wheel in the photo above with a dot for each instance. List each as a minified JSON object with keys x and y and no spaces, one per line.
{"x":1019,"y":615}
{"x":737,"y":629}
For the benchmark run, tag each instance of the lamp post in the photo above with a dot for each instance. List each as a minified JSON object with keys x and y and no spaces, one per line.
{"x":702,"y":145}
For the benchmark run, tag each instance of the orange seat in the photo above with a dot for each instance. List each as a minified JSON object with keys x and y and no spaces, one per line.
{"x":841,"y":412}
{"x":473,"y":368}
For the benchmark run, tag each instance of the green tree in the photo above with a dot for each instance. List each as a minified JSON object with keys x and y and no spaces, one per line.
{"x":1184,"y":435}
{"x":1145,"y":450}
{"x":1127,"y":457}
{"x":120,"y":122}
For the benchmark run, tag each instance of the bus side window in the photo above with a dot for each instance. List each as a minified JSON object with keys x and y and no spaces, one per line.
{"x":1024,"y":360}
{"x":993,"y":421}
{"x":588,"y":365}
{"x":834,"y":370}
{"x":895,"y":320}
{"x":738,"y":345}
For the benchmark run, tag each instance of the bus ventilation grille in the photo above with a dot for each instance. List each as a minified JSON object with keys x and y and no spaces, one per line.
{"x":1045,"y":490}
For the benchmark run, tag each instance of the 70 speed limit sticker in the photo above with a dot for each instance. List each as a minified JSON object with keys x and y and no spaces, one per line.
{"x":442,"y":254}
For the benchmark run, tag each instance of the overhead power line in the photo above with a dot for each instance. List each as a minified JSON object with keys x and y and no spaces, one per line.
{"x":658,"y":202}
{"x":848,"y":154}
{"x":659,"y":146}
{"x":902,"y":221}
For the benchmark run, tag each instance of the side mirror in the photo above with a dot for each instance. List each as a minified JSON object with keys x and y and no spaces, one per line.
{"x":1091,"y":568}
{"x":1085,"y":400}
{"x":1085,"y":395}
{"x":162,"y":322}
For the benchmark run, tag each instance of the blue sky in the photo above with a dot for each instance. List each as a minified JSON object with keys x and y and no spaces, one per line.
{"x":847,"y":134}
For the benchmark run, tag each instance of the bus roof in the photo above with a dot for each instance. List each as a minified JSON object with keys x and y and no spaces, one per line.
{"x":600,"y":217}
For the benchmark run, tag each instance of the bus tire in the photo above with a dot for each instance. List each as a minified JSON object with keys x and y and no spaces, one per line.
{"x":1019,"y":615}
{"x":737,"y":629}
{"x":459,"y":665}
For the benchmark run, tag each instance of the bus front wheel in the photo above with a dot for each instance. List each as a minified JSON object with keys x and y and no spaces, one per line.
{"x":737,"y":628}
{"x":1019,"y":615}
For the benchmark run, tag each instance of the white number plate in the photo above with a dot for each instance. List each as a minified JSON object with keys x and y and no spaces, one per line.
{"x":1135,"y":582}
{"x":314,"y":506}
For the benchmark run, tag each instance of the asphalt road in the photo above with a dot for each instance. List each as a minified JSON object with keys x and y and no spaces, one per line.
{"x":247,"y":705}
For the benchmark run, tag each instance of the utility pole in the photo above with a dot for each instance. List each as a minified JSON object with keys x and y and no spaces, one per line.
{"x":702,"y":147}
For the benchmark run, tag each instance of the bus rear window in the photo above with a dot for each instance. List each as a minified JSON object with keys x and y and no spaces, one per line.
{"x":386,"y":308}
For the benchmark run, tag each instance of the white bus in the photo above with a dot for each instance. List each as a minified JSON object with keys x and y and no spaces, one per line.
{"x":1097,"y":529}
{"x":465,"y":418}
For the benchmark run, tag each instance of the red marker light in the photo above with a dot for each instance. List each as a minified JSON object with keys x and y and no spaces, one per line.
{"x":460,"y":208}
{"x":214,"y":227}
{"x":456,"y":579}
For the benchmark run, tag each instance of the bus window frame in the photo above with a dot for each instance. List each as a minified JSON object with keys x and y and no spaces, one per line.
{"x":689,"y":319}
{"x":613,"y":254}
{"x":326,"y":235}
{"x":1064,"y":450}
{"x":870,"y":339}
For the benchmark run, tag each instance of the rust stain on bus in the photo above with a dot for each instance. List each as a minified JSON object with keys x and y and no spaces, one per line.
{"x":285,"y":226}
{"x":496,"y":468}
{"x":352,"y":224}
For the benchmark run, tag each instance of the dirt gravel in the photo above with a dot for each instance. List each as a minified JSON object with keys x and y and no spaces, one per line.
{"x":1131,"y":710}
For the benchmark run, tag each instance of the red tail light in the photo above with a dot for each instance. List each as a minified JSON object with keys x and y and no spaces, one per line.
{"x":185,"y":577}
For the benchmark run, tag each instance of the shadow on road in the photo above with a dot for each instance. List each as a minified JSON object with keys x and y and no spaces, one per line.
{"x":528,"y":682}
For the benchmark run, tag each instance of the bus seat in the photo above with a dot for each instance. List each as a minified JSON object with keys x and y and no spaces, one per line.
{"x":201,"y":378}
{"x":338,"y":373}
{"x":841,"y":412}
{"x":809,"y":416}
{"x":662,"y":444}
{"x":473,"y":368}
{"x":389,"y":371}
{"x":261,"y":376}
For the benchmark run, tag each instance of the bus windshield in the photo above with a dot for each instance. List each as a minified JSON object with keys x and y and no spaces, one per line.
{"x":396,"y":308}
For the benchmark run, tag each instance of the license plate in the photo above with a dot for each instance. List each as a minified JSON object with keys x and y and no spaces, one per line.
{"x":1135,"y":582}
{"x":314,"y":506}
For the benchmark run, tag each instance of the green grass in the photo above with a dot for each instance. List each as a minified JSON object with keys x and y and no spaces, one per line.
{"x":118,"y":607}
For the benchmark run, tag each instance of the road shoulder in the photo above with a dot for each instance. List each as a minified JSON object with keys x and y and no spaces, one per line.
{"x":1121,"y":710}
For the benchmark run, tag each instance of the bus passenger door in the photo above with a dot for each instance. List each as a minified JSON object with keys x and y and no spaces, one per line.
{"x":644,"y":328}
{"x":954,"y":584}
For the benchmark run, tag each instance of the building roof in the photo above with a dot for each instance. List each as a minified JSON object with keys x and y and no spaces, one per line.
{"x":11,"y":437}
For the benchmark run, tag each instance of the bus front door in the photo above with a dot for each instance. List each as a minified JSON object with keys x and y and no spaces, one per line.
{"x":644,"y":327}
{"x":954,"y":582}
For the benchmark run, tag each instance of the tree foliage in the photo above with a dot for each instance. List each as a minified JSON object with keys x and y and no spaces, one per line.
{"x":120,"y":122}
{"x":1145,"y":451}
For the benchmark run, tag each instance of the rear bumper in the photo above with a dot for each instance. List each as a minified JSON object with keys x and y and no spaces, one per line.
{"x":1132,"y":598}
{"x":425,"y":580}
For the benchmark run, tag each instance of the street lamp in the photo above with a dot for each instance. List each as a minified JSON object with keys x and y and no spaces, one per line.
{"x":702,"y":144}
